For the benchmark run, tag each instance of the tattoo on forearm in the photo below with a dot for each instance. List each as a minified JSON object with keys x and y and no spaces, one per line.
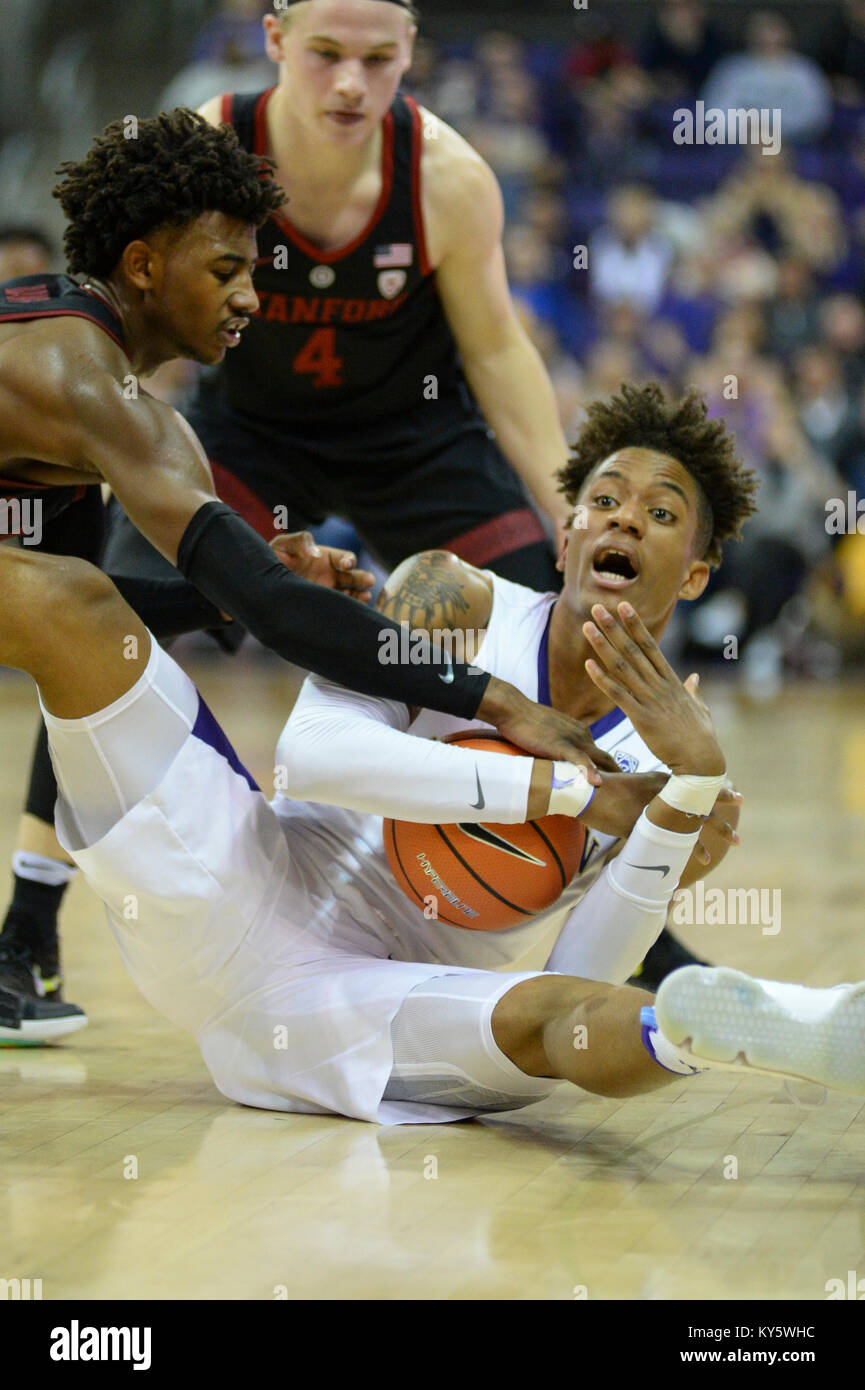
{"x":431,"y":595}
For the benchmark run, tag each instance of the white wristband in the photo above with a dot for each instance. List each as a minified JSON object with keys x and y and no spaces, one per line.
{"x":571,"y":791}
{"x":694,"y":796}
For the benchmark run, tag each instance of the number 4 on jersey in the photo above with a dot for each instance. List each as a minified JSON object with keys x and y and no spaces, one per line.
{"x":317,"y":358}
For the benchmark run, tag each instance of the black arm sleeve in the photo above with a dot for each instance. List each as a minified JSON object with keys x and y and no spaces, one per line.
{"x":314,"y":627}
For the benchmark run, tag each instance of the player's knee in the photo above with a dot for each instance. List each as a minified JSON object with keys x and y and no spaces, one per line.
{"x":75,"y":587}
{"x":78,"y":599}
{"x":45,"y":594}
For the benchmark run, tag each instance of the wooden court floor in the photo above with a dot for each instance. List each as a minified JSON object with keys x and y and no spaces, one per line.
{"x":577,"y":1197}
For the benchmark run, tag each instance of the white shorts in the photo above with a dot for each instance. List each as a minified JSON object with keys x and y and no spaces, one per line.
{"x":220,"y":935}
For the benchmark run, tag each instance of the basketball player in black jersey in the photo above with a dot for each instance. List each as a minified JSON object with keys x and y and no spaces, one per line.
{"x":161,"y":230}
{"x":386,"y":325}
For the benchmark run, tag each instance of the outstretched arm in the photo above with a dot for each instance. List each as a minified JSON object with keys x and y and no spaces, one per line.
{"x":160,"y":475}
{"x":502,"y":366}
{"x":345,"y":750}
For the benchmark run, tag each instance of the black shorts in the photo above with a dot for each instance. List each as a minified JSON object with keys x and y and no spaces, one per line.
{"x":463,"y":496}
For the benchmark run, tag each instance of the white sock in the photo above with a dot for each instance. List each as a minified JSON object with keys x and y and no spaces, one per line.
{"x":40,"y":869}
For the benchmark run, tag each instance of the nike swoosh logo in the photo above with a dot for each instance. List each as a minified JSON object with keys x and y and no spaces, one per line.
{"x":486,"y":836}
{"x":449,"y":677}
{"x":651,"y":868}
{"x":480,"y":803}
{"x":565,"y":782}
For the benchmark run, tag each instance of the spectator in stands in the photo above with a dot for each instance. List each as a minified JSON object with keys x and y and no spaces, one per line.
{"x":787,"y":536}
{"x":424,"y":76}
{"x":680,"y":48}
{"x":629,"y":257}
{"x":608,"y":364}
{"x":852,"y":459}
{"x":692,"y":300}
{"x":606,"y":146}
{"x":537,"y":275}
{"x":656,"y":346}
{"x":827,"y":410}
{"x":234,"y":29}
{"x":458,"y":93}
{"x":792,"y":316}
{"x":24,"y":250}
{"x":772,"y":75}
{"x":842,"y":53}
{"x":842,"y":324}
{"x":765,"y":200}
{"x":511,"y":137}
{"x":229,"y":57}
{"x":600,"y":53}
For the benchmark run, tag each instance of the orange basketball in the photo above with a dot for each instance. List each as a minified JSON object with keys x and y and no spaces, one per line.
{"x":485,"y":877}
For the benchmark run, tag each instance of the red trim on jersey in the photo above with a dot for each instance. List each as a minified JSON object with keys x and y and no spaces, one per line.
{"x":65,"y":314}
{"x":22,"y":485}
{"x":315,"y":253}
{"x":259,"y":144}
{"x":231,"y":490}
{"x":491,"y":539}
{"x":417,"y":205}
{"x":226,"y":110}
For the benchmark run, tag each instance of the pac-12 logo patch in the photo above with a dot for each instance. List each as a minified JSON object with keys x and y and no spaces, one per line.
{"x":322,"y":276}
{"x":391,"y":283}
{"x":627,"y":762}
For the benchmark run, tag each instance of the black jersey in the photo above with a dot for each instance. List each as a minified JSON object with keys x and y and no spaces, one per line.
{"x":36,"y":297}
{"x":350,"y":352}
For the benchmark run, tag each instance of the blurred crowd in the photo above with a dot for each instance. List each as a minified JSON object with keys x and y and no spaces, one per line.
{"x":634,"y":257}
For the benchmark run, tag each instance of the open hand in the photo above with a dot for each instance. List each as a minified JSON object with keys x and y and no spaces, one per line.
{"x":321,"y":564}
{"x":668,"y":715}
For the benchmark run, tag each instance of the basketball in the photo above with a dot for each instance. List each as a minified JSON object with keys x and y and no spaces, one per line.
{"x":485,"y":877}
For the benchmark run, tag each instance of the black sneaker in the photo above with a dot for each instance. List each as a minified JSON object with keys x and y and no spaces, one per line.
{"x":667,"y":954}
{"x":32,"y":1008}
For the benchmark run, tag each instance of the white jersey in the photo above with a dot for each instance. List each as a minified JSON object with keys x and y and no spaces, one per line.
{"x":338,"y":854}
{"x":276,"y":933}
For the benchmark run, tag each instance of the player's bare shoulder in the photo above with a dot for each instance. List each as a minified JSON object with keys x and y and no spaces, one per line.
{"x":49,"y":369}
{"x":460,"y":193}
{"x":436,"y":590}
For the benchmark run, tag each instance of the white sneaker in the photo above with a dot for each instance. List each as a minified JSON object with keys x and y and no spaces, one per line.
{"x":730,"y":1020}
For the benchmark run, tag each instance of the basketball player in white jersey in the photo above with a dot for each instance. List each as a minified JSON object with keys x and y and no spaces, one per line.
{"x":270,"y":935}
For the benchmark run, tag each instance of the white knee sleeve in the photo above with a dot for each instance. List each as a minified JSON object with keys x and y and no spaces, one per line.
{"x":107,"y":762}
{"x":444,"y":1050}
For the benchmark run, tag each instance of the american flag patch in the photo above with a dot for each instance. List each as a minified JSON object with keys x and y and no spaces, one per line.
{"x":398,"y":253}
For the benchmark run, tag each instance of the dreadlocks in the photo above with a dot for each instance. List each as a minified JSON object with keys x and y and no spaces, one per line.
{"x":165,"y":171}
